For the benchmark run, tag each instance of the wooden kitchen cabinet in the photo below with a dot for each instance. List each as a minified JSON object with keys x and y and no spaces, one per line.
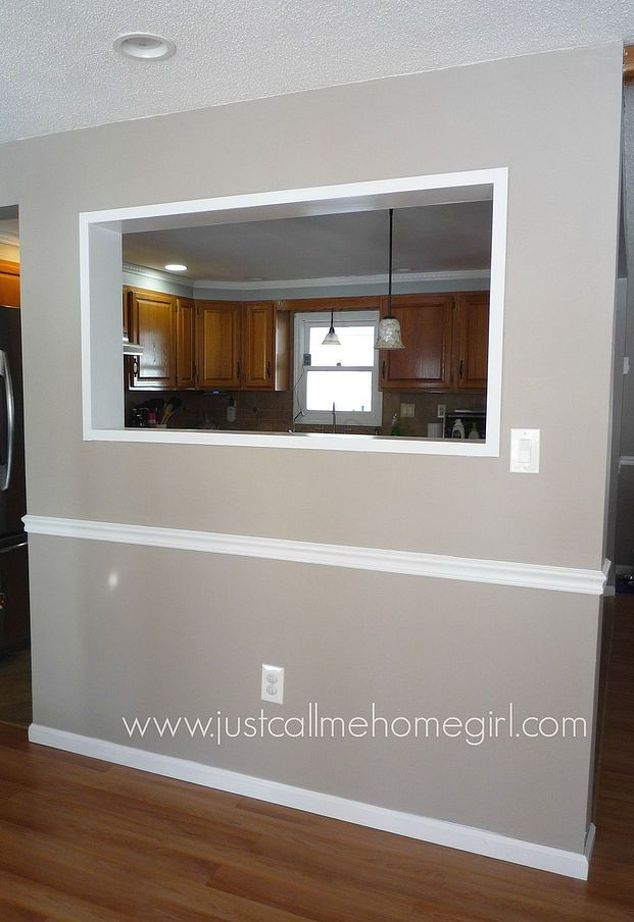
{"x":265,"y":347}
{"x":218,"y":331}
{"x":152,"y":325}
{"x":186,"y":376}
{"x":125,"y":304}
{"x":426,"y":327}
{"x":258,"y":345}
{"x":9,"y":283}
{"x":446,"y":341}
{"x":471,"y":340}
{"x":205,"y":344}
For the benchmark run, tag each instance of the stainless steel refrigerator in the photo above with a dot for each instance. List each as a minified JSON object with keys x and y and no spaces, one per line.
{"x":14,"y":586}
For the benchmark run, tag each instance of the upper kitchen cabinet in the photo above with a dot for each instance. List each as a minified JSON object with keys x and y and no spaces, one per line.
{"x":265,"y":347}
{"x":425,"y":362}
{"x":219,"y":344}
{"x":471,"y":339}
{"x":205,"y":344}
{"x":9,"y":283}
{"x":152,"y":325}
{"x":186,"y":376}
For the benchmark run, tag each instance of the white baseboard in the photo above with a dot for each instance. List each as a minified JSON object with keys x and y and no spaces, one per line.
{"x":438,"y":832}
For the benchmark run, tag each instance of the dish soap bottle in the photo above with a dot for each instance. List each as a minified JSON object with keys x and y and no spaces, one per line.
{"x":395,"y":429}
{"x":458,"y":430}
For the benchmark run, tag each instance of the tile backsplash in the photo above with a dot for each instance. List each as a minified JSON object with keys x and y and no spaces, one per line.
{"x":425,"y":409}
{"x":272,"y":411}
{"x":259,"y":412}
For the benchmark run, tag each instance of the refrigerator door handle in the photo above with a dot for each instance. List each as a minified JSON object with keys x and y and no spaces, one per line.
{"x":5,"y":372}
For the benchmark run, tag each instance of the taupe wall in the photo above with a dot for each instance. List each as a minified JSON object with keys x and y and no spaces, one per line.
{"x":554,"y":120}
{"x":556,"y":132}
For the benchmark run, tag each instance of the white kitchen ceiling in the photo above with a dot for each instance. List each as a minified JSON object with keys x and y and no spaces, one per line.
{"x":432,"y":238}
{"x":59,"y":71}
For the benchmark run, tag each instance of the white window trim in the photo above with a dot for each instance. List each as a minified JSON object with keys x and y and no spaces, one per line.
{"x":301,"y":323}
{"x":100,"y":285}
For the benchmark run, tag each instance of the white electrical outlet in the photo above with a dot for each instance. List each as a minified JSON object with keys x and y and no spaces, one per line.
{"x":407,"y":410}
{"x":441,"y":411}
{"x":272,"y":683}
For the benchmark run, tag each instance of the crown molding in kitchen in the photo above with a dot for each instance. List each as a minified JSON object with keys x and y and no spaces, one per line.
{"x":147,"y":272}
{"x":457,"y":275}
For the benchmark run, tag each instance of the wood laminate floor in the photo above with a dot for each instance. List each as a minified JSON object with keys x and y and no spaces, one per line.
{"x":84,"y":840}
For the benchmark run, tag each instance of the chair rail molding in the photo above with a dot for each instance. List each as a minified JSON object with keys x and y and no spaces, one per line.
{"x":412,"y":563}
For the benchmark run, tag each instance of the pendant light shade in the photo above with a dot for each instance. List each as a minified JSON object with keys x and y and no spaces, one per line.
{"x":331,"y":338}
{"x":389,"y":335}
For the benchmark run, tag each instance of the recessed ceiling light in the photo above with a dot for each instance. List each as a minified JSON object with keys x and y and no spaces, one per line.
{"x":144,"y":45}
{"x":255,"y":278}
{"x":176,"y":267}
{"x":403,"y":270}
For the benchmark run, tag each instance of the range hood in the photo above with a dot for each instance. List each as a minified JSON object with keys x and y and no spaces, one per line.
{"x":131,"y":348}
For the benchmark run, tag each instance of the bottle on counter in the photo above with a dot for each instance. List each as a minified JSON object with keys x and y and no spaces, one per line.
{"x":473,"y":432}
{"x":458,"y":430}
{"x":395,"y":429}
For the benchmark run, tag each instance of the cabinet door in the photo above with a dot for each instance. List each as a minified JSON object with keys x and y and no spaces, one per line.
{"x":9,"y":283}
{"x":472,"y":339}
{"x":424,"y":363}
{"x":258,"y":346}
{"x":152,"y":326}
{"x":185,"y":343}
{"x":218,"y":332}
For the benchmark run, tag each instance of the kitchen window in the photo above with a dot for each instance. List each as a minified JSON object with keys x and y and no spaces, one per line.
{"x":337,"y":384}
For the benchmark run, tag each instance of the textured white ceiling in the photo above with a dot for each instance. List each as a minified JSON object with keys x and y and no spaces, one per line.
{"x":433,"y":238}
{"x":58,"y":70}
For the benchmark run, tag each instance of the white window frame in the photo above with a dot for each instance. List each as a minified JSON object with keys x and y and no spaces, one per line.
{"x":302,"y":324}
{"x":100,"y":266}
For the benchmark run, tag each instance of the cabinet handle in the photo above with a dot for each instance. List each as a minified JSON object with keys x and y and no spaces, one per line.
{"x":238,"y":370}
{"x":461,"y":369}
{"x":268,"y":369}
{"x":383,"y":369}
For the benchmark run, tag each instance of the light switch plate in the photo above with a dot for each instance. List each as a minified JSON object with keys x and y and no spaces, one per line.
{"x":525,"y":449}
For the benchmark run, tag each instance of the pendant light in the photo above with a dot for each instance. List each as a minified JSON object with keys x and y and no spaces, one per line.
{"x":389,"y":327}
{"x":331,"y":338}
